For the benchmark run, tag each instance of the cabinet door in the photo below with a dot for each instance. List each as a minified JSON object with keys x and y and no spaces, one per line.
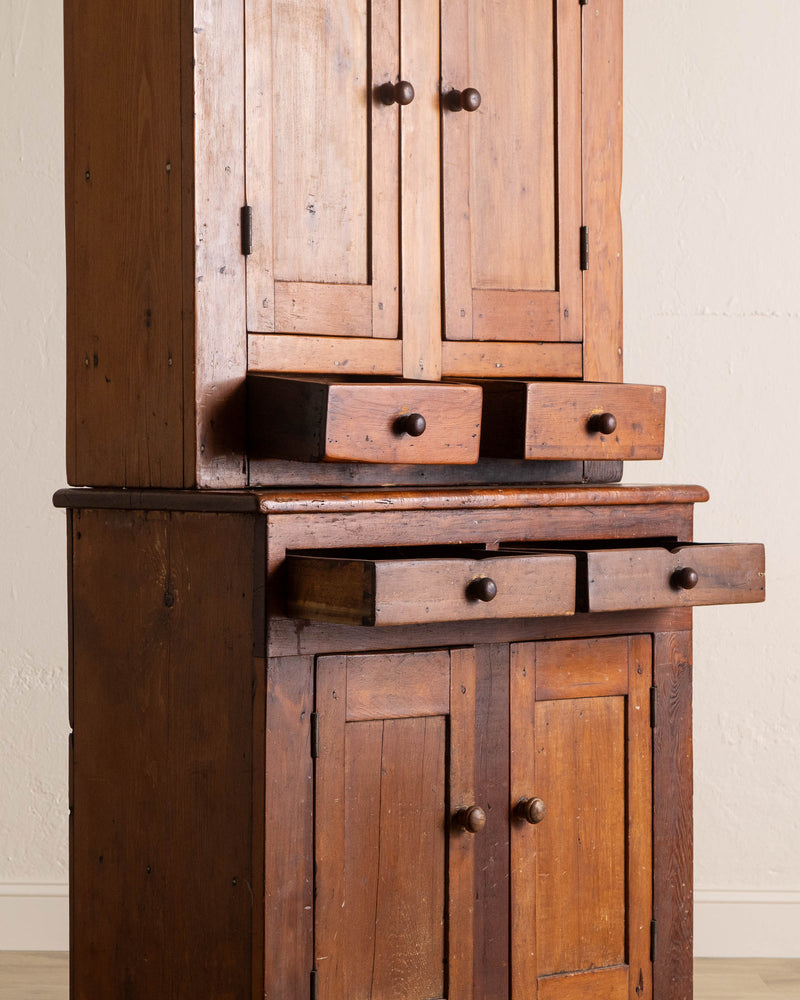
{"x":512,"y":181}
{"x":322,"y":167}
{"x":394,"y":871}
{"x":581,"y":874}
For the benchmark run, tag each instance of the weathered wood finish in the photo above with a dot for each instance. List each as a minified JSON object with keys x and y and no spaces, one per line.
{"x":404,"y":591}
{"x":328,"y":420}
{"x":553,"y":420}
{"x":168,"y":732}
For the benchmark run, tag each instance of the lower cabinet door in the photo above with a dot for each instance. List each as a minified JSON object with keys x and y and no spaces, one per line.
{"x":581,"y":851}
{"x":394,"y":827}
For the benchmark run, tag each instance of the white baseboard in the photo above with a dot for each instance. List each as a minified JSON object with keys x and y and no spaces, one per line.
{"x":34,"y":917}
{"x":746,"y":924}
{"x":727,"y":923}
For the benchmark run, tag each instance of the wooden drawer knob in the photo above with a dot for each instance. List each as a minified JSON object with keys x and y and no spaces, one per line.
{"x":603,"y":423}
{"x":685,"y":578}
{"x":413,"y":424}
{"x":471,"y":819}
{"x":531,"y":810}
{"x":401,"y":93}
{"x":483,"y":589}
{"x":464,"y":100}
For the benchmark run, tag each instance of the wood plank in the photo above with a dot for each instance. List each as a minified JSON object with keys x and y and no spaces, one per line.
{"x":419,"y":192}
{"x":512,"y":146}
{"x":124,"y":209}
{"x":323,"y":310}
{"x":580,"y":775}
{"x":591,"y":668}
{"x":474,"y":359}
{"x":569,"y":100}
{"x":321,"y":176}
{"x":337,"y":355}
{"x":217,"y":458}
{"x":289,"y":800}
{"x":640,"y":818}
{"x":461,"y":851}
{"x":523,"y":860}
{"x":600,"y":984}
{"x":400,"y":686}
{"x":516,"y":315}
{"x":602,"y":183}
{"x":164,"y":682}
{"x":456,"y":227}
{"x":258,"y":162}
{"x":384,"y":152}
{"x":672,"y":815}
{"x":330,"y":827}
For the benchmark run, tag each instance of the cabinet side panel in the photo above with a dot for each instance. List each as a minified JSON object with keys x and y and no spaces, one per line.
{"x":123,"y":207}
{"x":672,"y":816}
{"x":163,"y":892}
{"x":602,"y":184}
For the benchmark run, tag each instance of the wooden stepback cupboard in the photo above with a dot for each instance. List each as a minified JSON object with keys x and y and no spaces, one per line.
{"x":380,"y":684}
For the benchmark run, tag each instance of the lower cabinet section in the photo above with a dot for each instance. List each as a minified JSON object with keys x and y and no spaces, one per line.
{"x":415,"y":801}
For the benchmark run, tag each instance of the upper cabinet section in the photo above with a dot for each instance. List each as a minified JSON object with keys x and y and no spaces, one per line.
{"x":393,"y":191}
{"x":413,"y":172}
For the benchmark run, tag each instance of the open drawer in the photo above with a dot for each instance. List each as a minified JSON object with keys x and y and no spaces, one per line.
{"x":408,"y":587}
{"x":315,"y":419}
{"x":629,"y":577}
{"x":572,"y":420}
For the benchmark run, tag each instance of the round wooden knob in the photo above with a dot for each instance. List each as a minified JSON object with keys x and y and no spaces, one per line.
{"x":685,"y":578}
{"x":464,"y":100}
{"x":412,"y":424}
{"x":483,"y":589}
{"x":471,"y":819}
{"x":401,"y":93}
{"x":603,"y":423}
{"x":531,"y":810}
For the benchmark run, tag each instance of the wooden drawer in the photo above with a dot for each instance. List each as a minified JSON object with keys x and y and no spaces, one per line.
{"x":572,"y":420}
{"x":321,"y":419}
{"x":628,"y":578}
{"x":405,"y":590}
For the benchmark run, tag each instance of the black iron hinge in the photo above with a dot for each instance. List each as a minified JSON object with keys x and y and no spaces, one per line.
{"x":653,"y":707}
{"x":653,"y":940}
{"x":315,"y":734}
{"x":584,"y":248}
{"x":314,"y":986}
{"x":247,"y":230}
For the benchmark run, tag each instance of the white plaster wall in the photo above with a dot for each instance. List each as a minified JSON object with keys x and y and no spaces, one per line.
{"x":712,"y":258}
{"x":712,"y":309}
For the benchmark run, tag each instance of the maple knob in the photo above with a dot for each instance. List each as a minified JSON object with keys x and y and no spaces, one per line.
{"x":401,"y":93}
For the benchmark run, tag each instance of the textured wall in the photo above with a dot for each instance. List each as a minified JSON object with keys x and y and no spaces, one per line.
{"x":712,"y":309}
{"x":711,"y":218}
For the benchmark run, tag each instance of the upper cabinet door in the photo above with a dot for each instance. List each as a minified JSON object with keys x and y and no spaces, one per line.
{"x":512,"y":170}
{"x":322,"y":167}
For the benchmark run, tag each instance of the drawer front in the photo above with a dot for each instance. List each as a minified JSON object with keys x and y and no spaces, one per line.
{"x":411,"y":591}
{"x":691,"y":575}
{"x":316,"y":420}
{"x":573,"y":420}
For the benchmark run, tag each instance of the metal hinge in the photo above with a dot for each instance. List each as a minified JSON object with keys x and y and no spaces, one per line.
{"x":247,"y":230}
{"x":315,"y":734}
{"x":584,"y":248}
{"x":653,"y":940}
{"x":653,"y":707}
{"x":314,"y":986}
